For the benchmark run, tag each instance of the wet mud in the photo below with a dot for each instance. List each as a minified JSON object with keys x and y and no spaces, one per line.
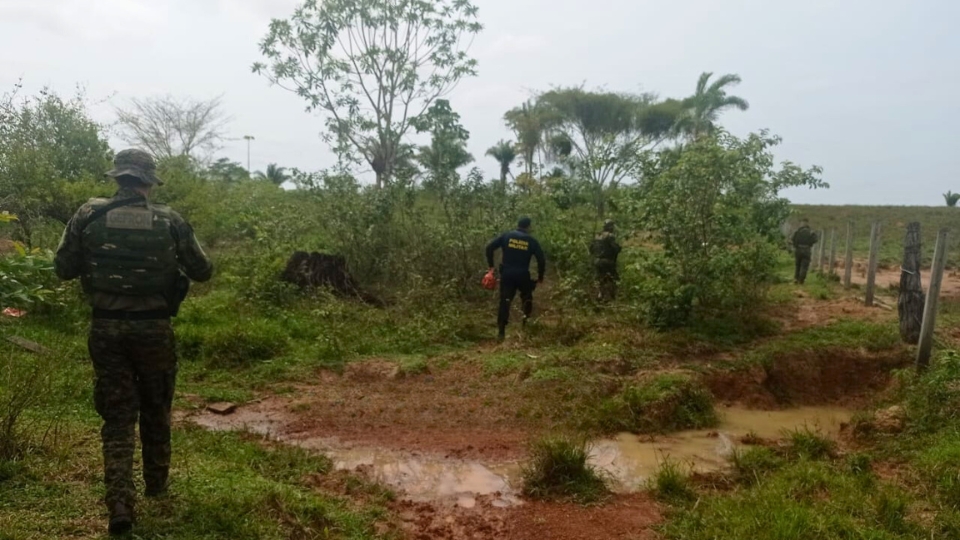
{"x":628,"y":461}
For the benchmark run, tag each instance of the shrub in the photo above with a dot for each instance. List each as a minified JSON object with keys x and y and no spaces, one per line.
{"x":25,"y":383}
{"x":715,"y":208}
{"x":26,"y":278}
{"x":559,"y":469}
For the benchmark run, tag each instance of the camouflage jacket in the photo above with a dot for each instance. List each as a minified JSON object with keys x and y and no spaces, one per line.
{"x":73,"y":255}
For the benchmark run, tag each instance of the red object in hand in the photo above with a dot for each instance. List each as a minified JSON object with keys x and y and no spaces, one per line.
{"x":489,"y":281}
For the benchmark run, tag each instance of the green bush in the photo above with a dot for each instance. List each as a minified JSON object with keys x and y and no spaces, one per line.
{"x":714,"y":206}
{"x":26,"y":278}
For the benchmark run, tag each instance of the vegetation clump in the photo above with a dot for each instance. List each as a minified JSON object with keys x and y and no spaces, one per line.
{"x":670,"y":484}
{"x":670,"y":402}
{"x":559,"y":469}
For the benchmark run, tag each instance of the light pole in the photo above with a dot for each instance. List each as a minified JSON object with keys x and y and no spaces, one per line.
{"x":248,"y":138}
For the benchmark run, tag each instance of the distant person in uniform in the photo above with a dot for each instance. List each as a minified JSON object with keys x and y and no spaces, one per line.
{"x":517,"y":247}
{"x":131,"y":256}
{"x":803,"y":241}
{"x":605,"y":251}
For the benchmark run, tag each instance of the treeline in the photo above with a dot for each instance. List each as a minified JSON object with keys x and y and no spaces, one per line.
{"x":701,"y":218}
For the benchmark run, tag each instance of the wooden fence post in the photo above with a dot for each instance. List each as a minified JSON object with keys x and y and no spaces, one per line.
{"x":848,"y":260}
{"x":833,"y":252}
{"x":822,"y":239}
{"x":933,"y":296}
{"x":910,"y":301}
{"x":872,"y":263}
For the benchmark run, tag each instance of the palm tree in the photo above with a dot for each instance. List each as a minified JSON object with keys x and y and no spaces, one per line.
{"x":951,"y":198}
{"x":706,"y":104}
{"x":529,"y":123}
{"x":275,"y":175}
{"x":504,"y":152}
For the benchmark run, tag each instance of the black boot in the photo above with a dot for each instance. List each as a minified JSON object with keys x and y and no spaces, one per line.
{"x":501,"y":333}
{"x":155,"y":492}
{"x":121,"y":519}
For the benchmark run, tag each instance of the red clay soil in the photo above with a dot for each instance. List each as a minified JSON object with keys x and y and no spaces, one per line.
{"x":842,"y":377}
{"x":457,"y":412}
{"x":622,"y":517}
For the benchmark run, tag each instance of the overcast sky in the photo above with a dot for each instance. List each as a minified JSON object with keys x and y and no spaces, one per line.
{"x":868,"y":89}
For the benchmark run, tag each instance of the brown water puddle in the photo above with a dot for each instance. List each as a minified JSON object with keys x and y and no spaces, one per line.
{"x":630,"y":460}
{"x":627,"y":460}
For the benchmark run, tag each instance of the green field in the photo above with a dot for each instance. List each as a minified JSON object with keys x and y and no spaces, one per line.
{"x":893,"y":222}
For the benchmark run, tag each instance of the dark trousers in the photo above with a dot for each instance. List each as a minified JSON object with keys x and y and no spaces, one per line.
{"x":607,"y":278}
{"x":136,"y":369}
{"x":802,"y":265}
{"x":510,"y":284}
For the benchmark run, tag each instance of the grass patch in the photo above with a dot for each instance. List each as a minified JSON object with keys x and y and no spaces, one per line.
{"x":847,"y":335}
{"x":414,"y":366}
{"x":803,"y":500}
{"x":809,"y":444}
{"x":558,"y":470}
{"x":552,"y":373}
{"x":224,"y":485}
{"x":666,"y":403}
{"x":671,"y":484}
{"x":751,"y":464}
{"x":500,"y":364}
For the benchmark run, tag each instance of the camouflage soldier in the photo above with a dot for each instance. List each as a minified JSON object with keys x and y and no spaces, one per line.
{"x":803,"y":240}
{"x":131,"y":256}
{"x":517,"y":247}
{"x":605,"y":251}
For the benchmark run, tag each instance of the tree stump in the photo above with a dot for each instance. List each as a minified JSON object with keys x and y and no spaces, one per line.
{"x":911,"y":301}
{"x":310,"y":270}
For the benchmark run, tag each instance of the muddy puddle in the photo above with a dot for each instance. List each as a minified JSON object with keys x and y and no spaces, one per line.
{"x":630,"y":460}
{"x":627,"y":460}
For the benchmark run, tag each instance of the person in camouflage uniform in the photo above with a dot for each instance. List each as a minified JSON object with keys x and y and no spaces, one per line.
{"x":803,"y":241}
{"x":605,"y":251}
{"x":131,"y":256}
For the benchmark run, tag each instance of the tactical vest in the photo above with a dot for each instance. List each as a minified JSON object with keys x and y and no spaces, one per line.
{"x":603,"y":247}
{"x":129,"y":251}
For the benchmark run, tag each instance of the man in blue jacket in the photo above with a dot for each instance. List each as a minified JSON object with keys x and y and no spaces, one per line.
{"x":517,"y":247}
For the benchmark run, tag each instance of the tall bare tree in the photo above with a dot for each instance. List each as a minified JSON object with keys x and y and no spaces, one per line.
{"x":169,"y":127}
{"x":372,"y":66}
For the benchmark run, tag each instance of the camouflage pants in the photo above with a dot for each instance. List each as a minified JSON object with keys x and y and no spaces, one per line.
{"x":136,"y":368}
{"x":802,"y":264}
{"x":607,"y":278}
